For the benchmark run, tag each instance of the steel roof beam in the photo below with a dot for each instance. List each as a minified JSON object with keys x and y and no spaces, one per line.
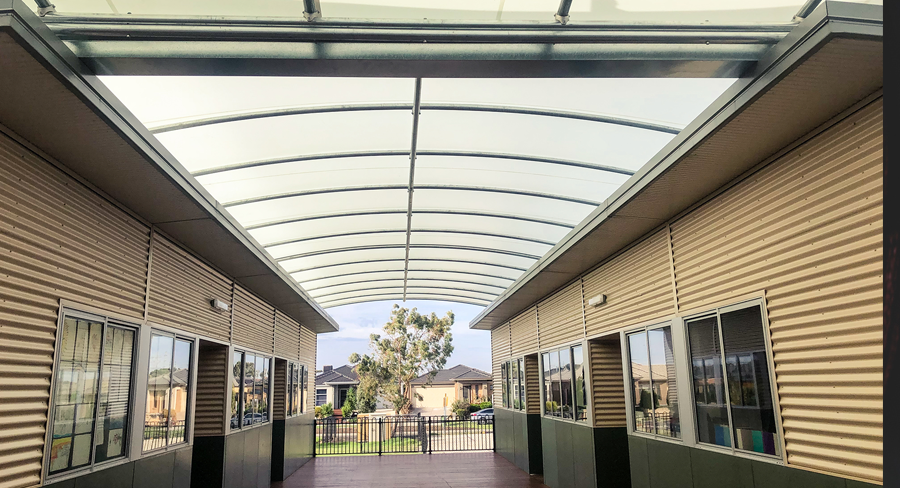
{"x":338,"y":303}
{"x":393,"y":212}
{"x":323,"y":191}
{"x":398,"y":270}
{"x":460,"y":261}
{"x":398,"y":231}
{"x":421,"y":152}
{"x":465,"y":107}
{"x":379,"y":247}
{"x":448,"y":280}
{"x":400,"y":288}
{"x":324,"y":304}
{"x":416,"y":111}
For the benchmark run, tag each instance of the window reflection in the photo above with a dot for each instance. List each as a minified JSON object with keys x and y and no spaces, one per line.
{"x":654,"y":389}
{"x":555,"y":402}
{"x":580,"y":391}
{"x":237,"y":378}
{"x":565,"y":384}
{"x":168,"y":388}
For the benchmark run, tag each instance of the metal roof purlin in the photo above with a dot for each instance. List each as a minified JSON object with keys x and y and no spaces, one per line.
{"x":403,"y":152}
{"x":412,"y":174}
{"x":396,"y":231}
{"x":471,"y":107}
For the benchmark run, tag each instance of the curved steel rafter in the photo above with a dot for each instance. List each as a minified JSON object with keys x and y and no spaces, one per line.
{"x":408,"y":288}
{"x":379,"y":247}
{"x":369,"y":298}
{"x":402,"y":231}
{"x":448,"y":280}
{"x":426,"y":152}
{"x":338,"y":303}
{"x":345,"y":189}
{"x":460,"y":261}
{"x":465,"y":107}
{"x":403,"y":211}
{"x":470,"y":273}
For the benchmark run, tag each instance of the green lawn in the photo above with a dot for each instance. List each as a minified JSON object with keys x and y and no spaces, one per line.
{"x":397,"y":444}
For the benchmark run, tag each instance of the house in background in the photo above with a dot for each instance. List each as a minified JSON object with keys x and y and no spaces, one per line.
{"x":457,"y":383}
{"x":333,"y":385}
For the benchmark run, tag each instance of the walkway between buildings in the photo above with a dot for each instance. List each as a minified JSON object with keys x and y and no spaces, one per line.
{"x":451,"y":470}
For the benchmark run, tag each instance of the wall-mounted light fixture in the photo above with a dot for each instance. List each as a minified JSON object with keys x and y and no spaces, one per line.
{"x":597,"y":301}
{"x":219,"y":304}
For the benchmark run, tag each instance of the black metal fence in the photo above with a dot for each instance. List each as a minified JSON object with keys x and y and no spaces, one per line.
{"x":402,"y":434}
{"x":155,"y":433}
{"x":658,"y":423}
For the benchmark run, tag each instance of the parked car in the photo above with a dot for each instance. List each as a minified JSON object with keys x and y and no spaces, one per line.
{"x":483,"y":416}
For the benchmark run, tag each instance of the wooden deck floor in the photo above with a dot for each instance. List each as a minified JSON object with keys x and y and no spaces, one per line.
{"x":451,"y":470}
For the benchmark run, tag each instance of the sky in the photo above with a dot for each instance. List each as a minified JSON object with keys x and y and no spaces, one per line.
{"x":357,"y":321}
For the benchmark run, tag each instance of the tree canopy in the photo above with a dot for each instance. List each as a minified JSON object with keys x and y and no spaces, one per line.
{"x":411,"y":345}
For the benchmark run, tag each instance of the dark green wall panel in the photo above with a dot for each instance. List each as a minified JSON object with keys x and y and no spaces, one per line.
{"x":147,"y":471}
{"x":670,"y":465}
{"x":548,"y":449}
{"x":583,"y":457}
{"x":121,"y":476}
{"x":639,"y":461}
{"x":535,"y":449}
{"x":773,"y":476}
{"x":564,"y":465}
{"x":715,"y":470}
{"x":611,"y":454}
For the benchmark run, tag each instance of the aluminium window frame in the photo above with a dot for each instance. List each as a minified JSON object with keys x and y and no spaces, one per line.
{"x":716,"y":310}
{"x":192,"y":382}
{"x":130,"y":455}
{"x":588,"y":387}
{"x":627,"y":375}
{"x":302,"y":378}
{"x":232,"y":349}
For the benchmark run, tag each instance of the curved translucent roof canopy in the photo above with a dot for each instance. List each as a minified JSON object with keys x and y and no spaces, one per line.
{"x":361,"y":198}
{"x":727,"y":11}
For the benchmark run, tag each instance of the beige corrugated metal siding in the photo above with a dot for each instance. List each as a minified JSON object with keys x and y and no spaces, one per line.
{"x":308,"y":358}
{"x":279,"y":390}
{"x":287,"y":336}
{"x":607,"y":383}
{"x":499,"y":353}
{"x":532,"y":384}
{"x":254,"y":321}
{"x":212,"y":385}
{"x":807,"y":229}
{"x":58,"y":239}
{"x":637,"y":284}
{"x":523,"y":332}
{"x":560,"y":317}
{"x":181,"y":287}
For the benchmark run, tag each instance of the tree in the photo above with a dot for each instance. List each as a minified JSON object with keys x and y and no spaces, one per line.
{"x":366,"y":393}
{"x":412,"y":343}
{"x":349,"y":404}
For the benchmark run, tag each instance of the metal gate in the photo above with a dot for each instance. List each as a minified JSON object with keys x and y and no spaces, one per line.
{"x":401,"y":434}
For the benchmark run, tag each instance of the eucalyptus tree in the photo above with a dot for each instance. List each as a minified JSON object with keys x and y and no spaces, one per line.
{"x":411,"y":344}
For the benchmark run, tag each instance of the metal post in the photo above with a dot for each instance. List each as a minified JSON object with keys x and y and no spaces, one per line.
{"x":380,"y":426}
{"x":562,"y":13}
{"x":313,"y":435}
{"x":429,"y":435}
{"x":311,"y":10}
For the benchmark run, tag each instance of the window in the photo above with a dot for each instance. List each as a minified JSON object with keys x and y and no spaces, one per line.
{"x":512,"y":374}
{"x":169,"y":385}
{"x":321,"y":396}
{"x":653,"y":389}
{"x":296,"y":389}
{"x":504,"y":383}
{"x":564,"y":386}
{"x":250,"y":389}
{"x":733,"y":405}
{"x":91,"y":403}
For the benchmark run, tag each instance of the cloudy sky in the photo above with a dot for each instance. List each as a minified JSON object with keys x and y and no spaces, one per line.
{"x":357,"y":321}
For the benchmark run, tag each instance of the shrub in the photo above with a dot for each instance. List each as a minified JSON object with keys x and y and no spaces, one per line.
{"x":349,"y":404}
{"x":318,"y":412}
{"x":327,"y":410}
{"x":460,"y":408}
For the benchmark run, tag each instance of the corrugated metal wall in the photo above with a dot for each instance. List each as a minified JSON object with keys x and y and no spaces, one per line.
{"x":181,"y":287}
{"x":212,"y":385}
{"x":287,"y":336}
{"x":254,"y":321}
{"x":808,"y":230}
{"x":607,"y":383}
{"x":308,"y":358}
{"x":499,"y":353}
{"x":523,"y":332}
{"x":561,"y":317}
{"x":58,"y":239}
{"x":279,"y":388}
{"x":532,"y":384}
{"x":637,"y":285}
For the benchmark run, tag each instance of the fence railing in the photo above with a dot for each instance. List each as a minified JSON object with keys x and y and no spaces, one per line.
{"x":657,"y":423}
{"x":402,"y":434}
{"x":155,"y":433}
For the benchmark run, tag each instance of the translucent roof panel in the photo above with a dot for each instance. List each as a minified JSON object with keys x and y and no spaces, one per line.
{"x":320,"y":171}
{"x":462,"y":10}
